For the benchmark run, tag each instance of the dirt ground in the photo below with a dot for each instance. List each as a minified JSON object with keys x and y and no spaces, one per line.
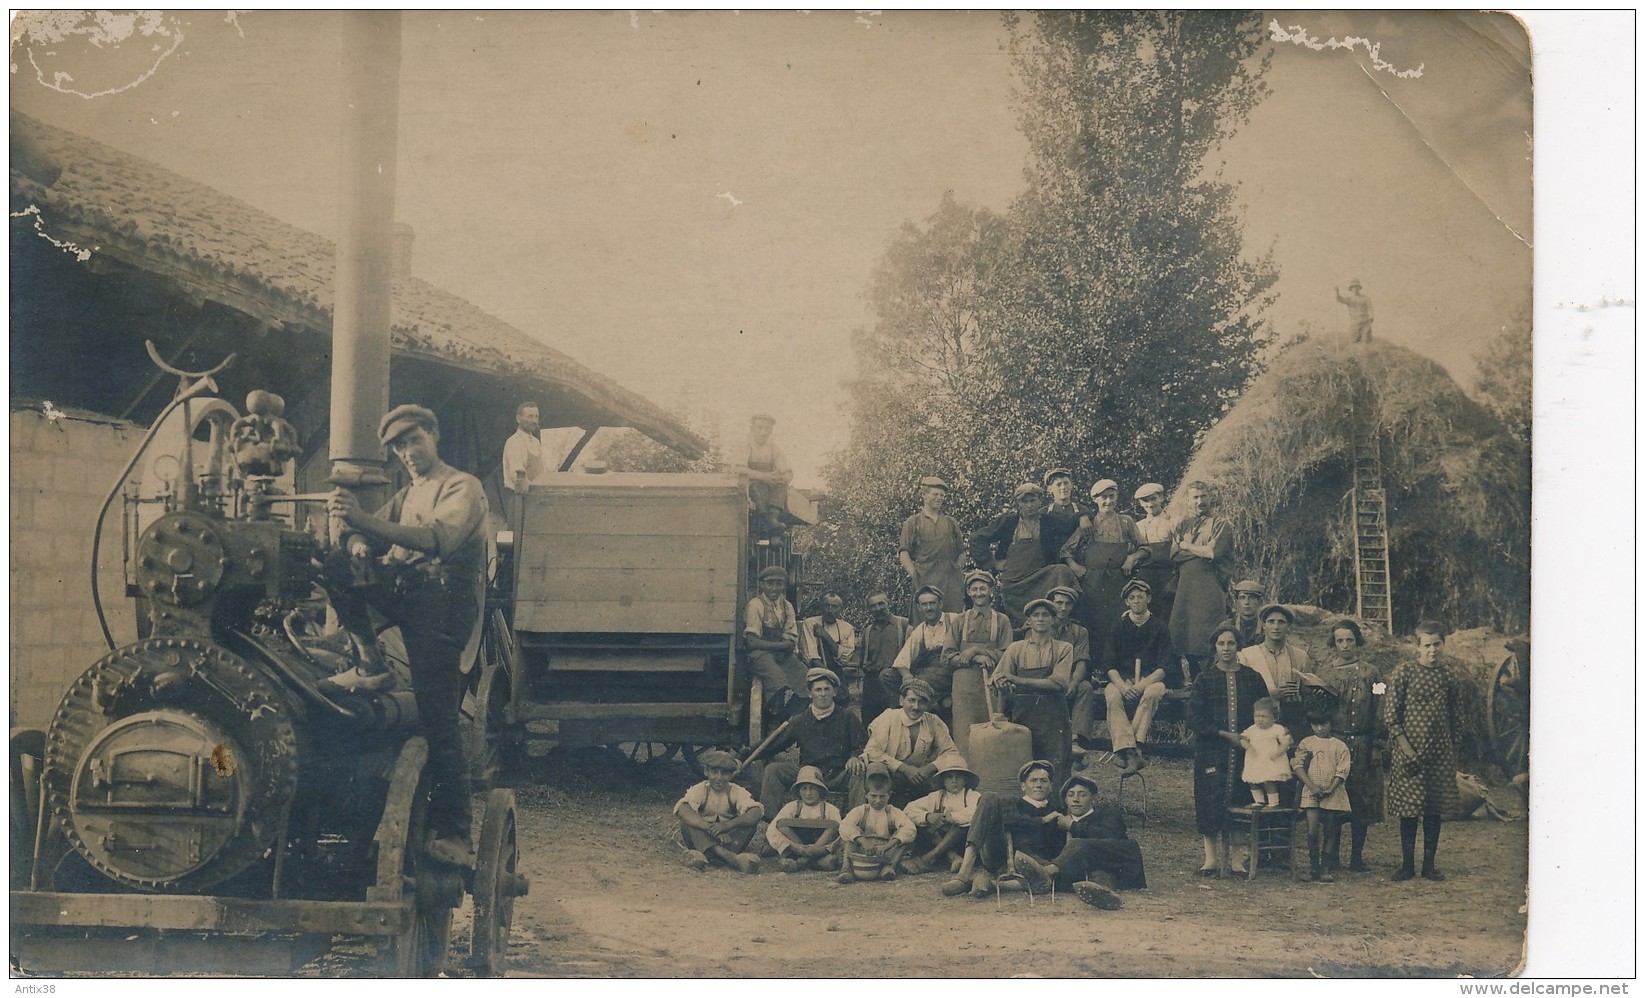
{"x":610,"y":898}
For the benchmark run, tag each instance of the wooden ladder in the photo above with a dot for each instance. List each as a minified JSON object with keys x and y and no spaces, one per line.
{"x":1373,"y":582}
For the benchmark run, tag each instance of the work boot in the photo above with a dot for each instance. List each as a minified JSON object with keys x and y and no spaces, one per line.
{"x":846,"y":878}
{"x":696,"y":860}
{"x":790,"y":864}
{"x":982,"y":884}
{"x":747,"y":862}
{"x":1430,"y":873}
{"x":953,"y":888}
{"x":450,"y":850}
{"x":1033,"y":872}
{"x":1097,"y":895}
{"x":1403,"y":874}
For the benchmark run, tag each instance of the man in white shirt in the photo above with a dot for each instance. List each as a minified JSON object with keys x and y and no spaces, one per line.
{"x":828,"y":640}
{"x":522,"y":460}
{"x":911,"y":742}
{"x":931,"y":647}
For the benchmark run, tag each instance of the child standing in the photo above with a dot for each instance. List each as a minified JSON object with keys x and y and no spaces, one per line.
{"x":806,"y":831}
{"x":1267,"y":745}
{"x":877,"y":819}
{"x":1322,"y":765}
{"x":943,"y":818}
{"x":1422,"y":712}
{"x":717,"y":817}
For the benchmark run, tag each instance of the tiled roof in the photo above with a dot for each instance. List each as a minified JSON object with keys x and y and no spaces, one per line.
{"x":149,"y":216}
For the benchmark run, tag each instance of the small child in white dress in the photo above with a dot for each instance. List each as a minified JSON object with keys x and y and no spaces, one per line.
{"x":1267,"y":747}
{"x":1322,"y":764}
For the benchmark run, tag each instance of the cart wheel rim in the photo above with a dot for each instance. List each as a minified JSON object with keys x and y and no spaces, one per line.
{"x":495,"y":884}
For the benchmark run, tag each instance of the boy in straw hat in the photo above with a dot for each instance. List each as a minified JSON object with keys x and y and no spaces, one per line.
{"x":718,"y":818}
{"x":876,"y":830}
{"x":943,"y":818}
{"x":806,"y":832}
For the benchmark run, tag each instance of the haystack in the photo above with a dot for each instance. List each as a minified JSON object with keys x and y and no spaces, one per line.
{"x":1458,"y":487}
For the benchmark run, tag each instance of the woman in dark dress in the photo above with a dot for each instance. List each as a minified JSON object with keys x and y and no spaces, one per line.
{"x":1219,"y":708}
{"x":1358,"y":724}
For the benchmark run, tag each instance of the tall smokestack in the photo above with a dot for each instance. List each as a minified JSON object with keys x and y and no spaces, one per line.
{"x":360,"y":315}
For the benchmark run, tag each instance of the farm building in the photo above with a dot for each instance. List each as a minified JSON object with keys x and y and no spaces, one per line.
{"x":109,"y":251}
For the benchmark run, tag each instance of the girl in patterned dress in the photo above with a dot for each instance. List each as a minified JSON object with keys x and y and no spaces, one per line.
{"x":1423,"y":714}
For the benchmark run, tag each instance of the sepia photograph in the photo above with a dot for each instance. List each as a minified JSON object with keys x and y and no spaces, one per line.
{"x":801,"y":494}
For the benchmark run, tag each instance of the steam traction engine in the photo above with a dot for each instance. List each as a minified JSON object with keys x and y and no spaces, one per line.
{"x":196,"y":804}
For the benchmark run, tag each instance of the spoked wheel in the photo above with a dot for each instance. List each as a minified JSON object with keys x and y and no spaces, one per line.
{"x":488,"y":742}
{"x":650,"y":753}
{"x":1508,"y":718}
{"x":497,"y":882}
{"x":28,"y":755}
{"x":420,"y":950}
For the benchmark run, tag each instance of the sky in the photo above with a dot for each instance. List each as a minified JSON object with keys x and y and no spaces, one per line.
{"x":693,"y":203}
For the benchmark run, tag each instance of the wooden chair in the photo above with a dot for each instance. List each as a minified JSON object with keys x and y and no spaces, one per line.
{"x":1265,"y":831}
{"x":1141,"y":776}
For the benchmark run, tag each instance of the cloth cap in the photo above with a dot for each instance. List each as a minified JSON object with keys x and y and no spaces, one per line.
{"x":1103,"y":486}
{"x":1068,"y":591}
{"x":1354,"y":284}
{"x":1029,"y":767}
{"x":1249,"y":586}
{"x":933,"y":482}
{"x":812,"y":675}
{"x":1279,"y":608}
{"x":1136,"y":584}
{"x":717,"y":759}
{"x":402,"y":418}
{"x":1035,"y":604}
{"x":1027,"y":489}
{"x":811,"y":775}
{"x":978,"y":575}
{"x":1080,"y":780}
{"x":916,"y":685}
{"x":921,"y":591}
{"x":765,"y":416}
{"x":1056,"y":473}
{"x":1150,"y":489}
{"x":972,"y":780}
{"x":773,"y":572}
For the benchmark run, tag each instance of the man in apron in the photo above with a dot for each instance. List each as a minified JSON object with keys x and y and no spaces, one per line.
{"x":1102,"y":552}
{"x":1024,"y":549}
{"x":768,"y":478}
{"x":929,"y":652}
{"x":772,"y":635}
{"x":932,"y":548}
{"x":1154,"y":534}
{"x":982,"y":634}
{"x":882,"y":638}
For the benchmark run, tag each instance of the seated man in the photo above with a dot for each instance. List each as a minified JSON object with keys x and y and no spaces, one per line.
{"x":828,"y":641}
{"x":772,"y":634}
{"x":929,"y":652}
{"x":1001,"y":827}
{"x":1096,"y":858}
{"x":912,"y":743}
{"x":830,"y":738}
{"x":1142,"y":667}
{"x":882,"y":638}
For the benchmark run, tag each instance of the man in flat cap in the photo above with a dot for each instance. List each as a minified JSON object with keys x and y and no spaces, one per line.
{"x":830,"y":739}
{"x":932,"y":547}
{"x":1154,"y":534}
{"x":981,"y":635}
{"x":1202,"y":547}
{"x":828,"y":640}
{"x":423,"y":558}
{"x":768,"y":477}
{"x":1024,"y":549}
{"x":771,"y":635}
{"x":882,"y":638}
{"x":1059,"y":487}
{"x":1248,"y":596}
{"x":929,"y":652}
{"x":1360,"y":314}
{"x":1285,"y":668}
{"x":1102,"y":552}
{"x":912,"y":743}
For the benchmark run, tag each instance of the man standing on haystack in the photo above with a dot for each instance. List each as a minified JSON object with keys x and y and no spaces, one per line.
{"x":1202,"y":546}
{"x":1359,"y":311}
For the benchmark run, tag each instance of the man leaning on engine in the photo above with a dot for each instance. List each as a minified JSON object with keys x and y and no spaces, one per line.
{"x":417,"y":562}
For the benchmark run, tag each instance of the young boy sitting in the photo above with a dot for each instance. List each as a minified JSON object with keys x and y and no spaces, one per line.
{"x":717,"y":817}
{"x":806,"y":831}
{"x":943,"y":818}
{"x":879,"y":820}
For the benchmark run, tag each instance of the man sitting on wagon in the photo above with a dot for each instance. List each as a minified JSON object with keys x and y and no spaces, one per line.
{"x":771,"y":634}
{"x":828,"y":641}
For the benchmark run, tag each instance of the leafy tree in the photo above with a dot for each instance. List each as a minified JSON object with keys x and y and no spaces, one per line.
{"x":1105,"y":322}
{"x":624,"y":449}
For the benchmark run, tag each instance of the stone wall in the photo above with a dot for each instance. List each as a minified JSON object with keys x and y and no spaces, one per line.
{"x":60,"y":471}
